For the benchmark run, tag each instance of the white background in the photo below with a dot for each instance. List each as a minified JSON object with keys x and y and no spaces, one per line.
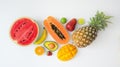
{"x":103,"y":52}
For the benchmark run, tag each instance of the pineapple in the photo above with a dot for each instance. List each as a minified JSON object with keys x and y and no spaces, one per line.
{"x":86,"y":35}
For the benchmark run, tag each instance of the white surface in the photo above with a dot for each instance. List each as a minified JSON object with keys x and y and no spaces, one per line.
{"x":103,"y":52}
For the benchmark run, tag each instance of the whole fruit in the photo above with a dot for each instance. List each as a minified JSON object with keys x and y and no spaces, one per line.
{"x":63,"y":20}
{"x":86,"y":35}
{"x":42,"y":38}
{"x":70,"y":26}
{"x":39,"y":50}
{"x":81,"y":21}
{"x":49,"y":53}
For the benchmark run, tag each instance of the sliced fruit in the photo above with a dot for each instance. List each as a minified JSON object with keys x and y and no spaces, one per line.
{"x":51,"y":45}
{"x":24,"y":31}
{"x":67,"y":52}
{"x":56,"y":30}
{"x":49,"y":53}
{"x":39,"y":50}
{"x":63,"y":20}
{"x":70,"y":26}
{"x":42,"y":38}
{"x":81,"y":21}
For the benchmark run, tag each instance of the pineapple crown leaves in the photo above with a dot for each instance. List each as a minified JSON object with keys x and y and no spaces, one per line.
{"x":100,"y":21}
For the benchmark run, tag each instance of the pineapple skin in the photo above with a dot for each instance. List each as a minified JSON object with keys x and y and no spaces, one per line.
{"x":84,"y":36}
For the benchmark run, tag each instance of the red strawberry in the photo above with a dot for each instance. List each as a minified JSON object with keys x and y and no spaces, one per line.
{"x":49,"y":53}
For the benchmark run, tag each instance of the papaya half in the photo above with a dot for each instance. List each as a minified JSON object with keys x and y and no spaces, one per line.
{"x":56,"y":30}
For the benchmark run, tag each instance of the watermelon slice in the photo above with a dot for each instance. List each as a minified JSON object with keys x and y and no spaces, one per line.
{"x":24,"y":31}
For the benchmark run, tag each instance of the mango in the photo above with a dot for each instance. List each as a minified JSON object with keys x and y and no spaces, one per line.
{"x":67,"y":52}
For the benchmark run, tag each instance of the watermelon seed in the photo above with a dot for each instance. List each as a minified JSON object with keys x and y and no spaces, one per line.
{"x":16,"y":30}
{"x":14,"y":35}
{"x":24,"y":23}
{"x":30,"y":33}
{"x":32,"y":29}
{"x":20,"y":25}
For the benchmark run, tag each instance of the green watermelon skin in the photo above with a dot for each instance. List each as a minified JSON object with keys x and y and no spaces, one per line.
{"x":24,"y":31}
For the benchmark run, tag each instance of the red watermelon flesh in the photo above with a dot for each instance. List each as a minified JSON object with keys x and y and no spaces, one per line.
{"x":24,"y":31}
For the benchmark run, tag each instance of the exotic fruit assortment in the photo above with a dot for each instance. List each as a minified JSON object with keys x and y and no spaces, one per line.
{"x":86,"y":35}
{"x":25,"y":31}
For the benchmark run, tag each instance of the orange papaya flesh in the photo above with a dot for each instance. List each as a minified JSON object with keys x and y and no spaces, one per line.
{"x":56,"y":30}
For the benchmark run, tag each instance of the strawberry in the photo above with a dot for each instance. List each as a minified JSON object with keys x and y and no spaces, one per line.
{"x":49,"y":53}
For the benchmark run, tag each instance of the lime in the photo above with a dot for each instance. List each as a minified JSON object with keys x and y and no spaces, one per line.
{"x":63,"y":20}
{"x":81,"y":21}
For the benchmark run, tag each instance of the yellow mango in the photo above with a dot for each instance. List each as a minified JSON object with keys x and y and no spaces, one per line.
{"x":67,"y":52}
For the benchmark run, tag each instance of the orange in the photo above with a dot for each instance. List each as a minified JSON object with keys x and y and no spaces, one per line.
{"x":39,"y":50}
